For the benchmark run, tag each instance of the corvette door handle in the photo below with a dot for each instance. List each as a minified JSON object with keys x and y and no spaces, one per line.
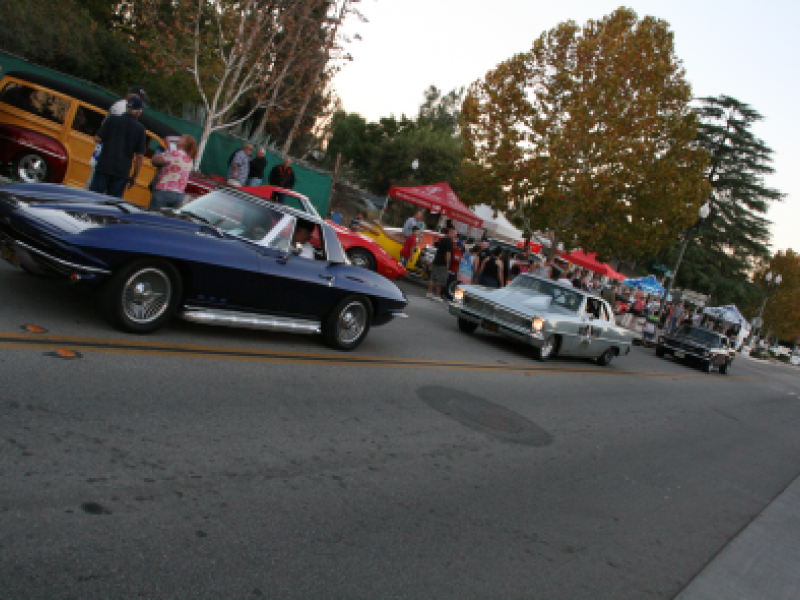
{"x":326,"y":277}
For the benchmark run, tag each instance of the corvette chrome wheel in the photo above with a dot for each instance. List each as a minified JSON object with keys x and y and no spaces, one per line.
{"x":347,"y":325}
{"x":352,"y":321}
{"x":146,"y":295}
{"x":143,"y":295}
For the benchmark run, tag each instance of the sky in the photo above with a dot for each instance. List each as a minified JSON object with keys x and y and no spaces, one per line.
{"x":744,"y":49}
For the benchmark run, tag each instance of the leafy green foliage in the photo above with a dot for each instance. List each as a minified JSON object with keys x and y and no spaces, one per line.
{"x":380,"y":153}
{"x":782,"y":311}
{"x":735,"y":238}
{"x":591,"y":135}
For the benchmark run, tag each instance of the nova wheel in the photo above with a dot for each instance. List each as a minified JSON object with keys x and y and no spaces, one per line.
{"x":725,"y":368}
{"x":547,"y":350}
{"x":467,"y":326}
{"x":706,"y":366}
{"x":361,"y":258}
{"x":606,"y":357}
{"x":347,"y":325}
{"x":450,"y":290}
{"x":659,"y":352}
{"x":31,"y":167}
{"x":142,"y":296}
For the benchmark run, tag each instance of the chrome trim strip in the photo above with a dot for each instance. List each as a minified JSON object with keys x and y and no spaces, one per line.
{"x":64,"y":263}
{"x":37,"y":148}
{"x":399,"y":314}
{"x":231,"y":318}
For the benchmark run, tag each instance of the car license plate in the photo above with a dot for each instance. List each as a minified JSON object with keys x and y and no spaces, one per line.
{"x":489,"y":325}
{"x":678,"y":354}
{"x":10,"y":255}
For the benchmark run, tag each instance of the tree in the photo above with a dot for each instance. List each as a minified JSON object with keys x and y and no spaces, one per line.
{"x":443,"y":110}
{"x":233,"y":49}
{"x":782,"y":311}
{"x":380,"y":153}
{"x":735,"y":238}
{"x":591,"y":135}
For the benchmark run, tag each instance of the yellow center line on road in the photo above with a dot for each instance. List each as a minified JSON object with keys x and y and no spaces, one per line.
{"x":25,"y":341}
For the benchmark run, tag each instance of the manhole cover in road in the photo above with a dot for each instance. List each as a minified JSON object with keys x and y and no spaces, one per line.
{"x":485,"y":416}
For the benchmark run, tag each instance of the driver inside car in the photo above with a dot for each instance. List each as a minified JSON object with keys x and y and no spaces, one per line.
{"x":300,"y":241}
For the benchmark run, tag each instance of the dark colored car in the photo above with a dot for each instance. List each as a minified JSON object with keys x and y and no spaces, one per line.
{"x":706,"y":348}
{"x":225,"y":258}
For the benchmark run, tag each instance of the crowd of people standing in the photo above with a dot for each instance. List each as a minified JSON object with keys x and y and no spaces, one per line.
{"x":121,"y":144}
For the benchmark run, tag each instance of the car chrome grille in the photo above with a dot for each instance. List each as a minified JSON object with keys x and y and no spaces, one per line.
{"x":486,"y":309}
{"x":491,"y":311}
{"x":513,"y":318}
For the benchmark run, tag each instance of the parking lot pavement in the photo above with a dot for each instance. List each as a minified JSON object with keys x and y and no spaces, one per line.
{"x":428,"y":463}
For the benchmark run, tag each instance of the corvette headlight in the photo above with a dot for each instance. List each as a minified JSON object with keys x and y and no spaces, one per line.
{"x":93,"y":219}
{"x":458,"y":296}
{"x":538,"y":324}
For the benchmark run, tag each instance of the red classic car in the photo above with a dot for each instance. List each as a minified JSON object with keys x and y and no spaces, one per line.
{"x":360,"y":249}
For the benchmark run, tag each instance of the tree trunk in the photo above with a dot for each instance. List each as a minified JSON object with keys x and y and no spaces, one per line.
{"x":302,"y":112}
{"x":201,"y":147}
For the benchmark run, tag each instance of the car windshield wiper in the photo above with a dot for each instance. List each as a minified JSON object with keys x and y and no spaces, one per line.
{"x":195,"y":216}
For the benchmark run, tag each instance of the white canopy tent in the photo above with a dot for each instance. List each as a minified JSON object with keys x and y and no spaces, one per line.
{"x":498,"y":226}
{"x":730,"y":315}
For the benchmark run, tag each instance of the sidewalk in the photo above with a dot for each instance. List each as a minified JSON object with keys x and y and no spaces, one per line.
{"x":762,"y":562}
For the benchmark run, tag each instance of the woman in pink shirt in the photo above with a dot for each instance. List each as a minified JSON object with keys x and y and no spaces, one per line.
{"x":176,"y":166}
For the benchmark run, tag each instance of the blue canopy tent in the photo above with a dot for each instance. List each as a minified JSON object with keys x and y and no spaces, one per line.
{"x":647,"y":284}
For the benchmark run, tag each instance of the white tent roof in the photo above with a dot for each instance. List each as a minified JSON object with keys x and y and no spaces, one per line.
{"x":728,"y":314}
{"x":499,"y":225}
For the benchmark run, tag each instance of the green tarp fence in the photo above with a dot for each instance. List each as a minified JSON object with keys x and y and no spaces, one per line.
{"x":219,"y":148}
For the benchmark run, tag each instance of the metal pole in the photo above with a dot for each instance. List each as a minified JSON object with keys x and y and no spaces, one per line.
{"x":333,"y":180}
{"x":674,"y":274}
{"x":383,"y":208}
{"x":760,"y":314}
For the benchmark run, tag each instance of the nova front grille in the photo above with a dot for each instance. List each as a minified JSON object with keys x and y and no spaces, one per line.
{"x":491,"y":311}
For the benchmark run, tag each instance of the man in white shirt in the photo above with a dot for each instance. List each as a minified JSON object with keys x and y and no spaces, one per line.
{"x":302,"y":234}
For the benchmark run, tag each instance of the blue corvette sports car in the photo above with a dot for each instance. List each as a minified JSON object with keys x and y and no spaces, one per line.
{"x":225,"y":258}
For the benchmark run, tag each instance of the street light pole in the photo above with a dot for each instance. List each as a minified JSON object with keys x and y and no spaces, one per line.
{"x":414,"y":167}
{"x":704,"y":211}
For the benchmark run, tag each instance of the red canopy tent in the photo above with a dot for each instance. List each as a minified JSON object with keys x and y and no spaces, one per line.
{"x":589,"y":261}
{"x":438,"y":198}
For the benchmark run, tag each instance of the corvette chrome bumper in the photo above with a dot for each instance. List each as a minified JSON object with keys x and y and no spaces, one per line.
{"x":34,"y":259}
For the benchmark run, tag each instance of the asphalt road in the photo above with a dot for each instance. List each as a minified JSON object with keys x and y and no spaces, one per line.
{"x":204,"y":462}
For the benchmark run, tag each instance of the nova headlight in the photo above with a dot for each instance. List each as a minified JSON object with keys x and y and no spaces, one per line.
{"x":458,"y":296}
{"x":537,"y":324}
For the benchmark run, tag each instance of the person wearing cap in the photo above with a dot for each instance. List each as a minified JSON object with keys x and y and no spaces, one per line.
{"x":124,"y":142}
{"x":119,"y":108}
{"x":239,"y":166}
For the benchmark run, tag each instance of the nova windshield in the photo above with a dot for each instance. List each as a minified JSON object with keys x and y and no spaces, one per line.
{"x":561,"y":296}
{"x":232,"y":215}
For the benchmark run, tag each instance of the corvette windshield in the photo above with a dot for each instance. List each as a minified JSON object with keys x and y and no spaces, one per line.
{"x":232,"y":215}
{"x":561,"y":296}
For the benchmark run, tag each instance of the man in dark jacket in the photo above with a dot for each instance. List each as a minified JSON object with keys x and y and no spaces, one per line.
{"x":282,"y":175}
{"x":257,"y":167}
{"x":124,"y":139}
